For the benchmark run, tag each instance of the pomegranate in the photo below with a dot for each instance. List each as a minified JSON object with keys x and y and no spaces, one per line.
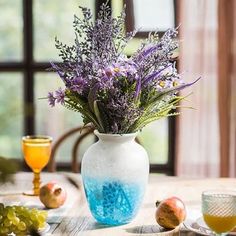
{"x":52,"y":195}
{"x":170,"y":212}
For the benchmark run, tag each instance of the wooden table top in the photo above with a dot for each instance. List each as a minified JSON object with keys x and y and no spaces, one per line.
{"x":74,"y":218}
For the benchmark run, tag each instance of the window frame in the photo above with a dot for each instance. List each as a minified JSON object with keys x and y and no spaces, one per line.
{"x":29,"y":67}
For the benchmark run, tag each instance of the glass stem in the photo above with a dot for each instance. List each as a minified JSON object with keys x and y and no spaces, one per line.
{"x":36,"y":182}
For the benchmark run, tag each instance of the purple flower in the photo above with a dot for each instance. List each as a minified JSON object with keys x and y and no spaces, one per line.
{"x":59,"y":71}
{"x":60,"y":96}
{"x":109,"y":72}
{"x":185,"y":85}
{"x":175,"y":81}
{"x":124,"y":68}
{"x":78,"y":84}
{"x":51,"y":99}
{"x":163,"y":84}
{"x":155,"y":74}
{"x":106,"y":73}
{"x":147,"y":51}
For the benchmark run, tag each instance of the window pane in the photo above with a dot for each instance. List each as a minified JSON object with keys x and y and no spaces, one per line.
{"x":154,"y":137}
{"x":55,"y":18}
{"x":55,"y":121}
{"x":11,"y":114}
{"x":11,"y":30}
{"x":153,"y":15}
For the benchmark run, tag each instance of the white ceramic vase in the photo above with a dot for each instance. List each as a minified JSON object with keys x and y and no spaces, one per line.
{"x":115,"y":174}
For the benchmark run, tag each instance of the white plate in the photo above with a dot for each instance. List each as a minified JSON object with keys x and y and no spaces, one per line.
{"x":41,"y":231}
{"x":199,"y":226}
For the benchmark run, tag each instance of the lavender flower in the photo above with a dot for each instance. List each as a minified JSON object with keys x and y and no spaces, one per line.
{"x":115,"y":93}
{"x":60,"y":96}
{"x":51,"y":99}
{"x":78,"y":84}
{"x":155,"y":74}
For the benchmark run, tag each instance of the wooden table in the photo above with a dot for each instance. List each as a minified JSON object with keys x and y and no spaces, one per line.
{"x":74,"y":218}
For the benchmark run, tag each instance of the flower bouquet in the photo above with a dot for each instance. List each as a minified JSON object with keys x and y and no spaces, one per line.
{"x":118,"y":95}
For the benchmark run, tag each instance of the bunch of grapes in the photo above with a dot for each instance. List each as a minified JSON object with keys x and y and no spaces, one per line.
{"x":20,"y":220}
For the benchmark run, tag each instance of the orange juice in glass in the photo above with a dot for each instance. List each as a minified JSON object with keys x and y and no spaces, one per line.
{"x":219,"y":210}
{"x":220,"y":224}
{"x":37,"y":151}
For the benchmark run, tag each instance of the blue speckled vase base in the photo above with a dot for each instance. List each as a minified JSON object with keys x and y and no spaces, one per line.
{"x":113,"y":202}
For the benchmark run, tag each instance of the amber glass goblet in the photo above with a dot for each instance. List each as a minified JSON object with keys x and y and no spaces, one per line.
{"x":37,"y":151}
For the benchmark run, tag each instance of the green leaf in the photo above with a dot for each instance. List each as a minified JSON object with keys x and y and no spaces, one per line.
{"x":92,"y":96}
{"x":104,"y":117}
{"x":97,"y":114}
{"x":153,"y":113}
{"x":85,"y":111}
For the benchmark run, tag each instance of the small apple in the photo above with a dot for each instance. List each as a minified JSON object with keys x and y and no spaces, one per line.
{"x":170,"y":212}
{"x":52,"y":195}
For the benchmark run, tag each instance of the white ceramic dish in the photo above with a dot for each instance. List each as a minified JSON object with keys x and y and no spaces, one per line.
{"x":199,"y":226}
{"x":41,"y":231}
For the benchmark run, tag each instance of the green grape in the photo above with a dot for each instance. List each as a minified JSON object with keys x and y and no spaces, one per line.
{"x":34,"y":211}
{"x":7,"y":222}
{"x":41,"y":218}
{"x":35,"y":224}
{"x":28,"y":223}
{"x":41,"y":225}
{"x":3,"y":231}
{"x":44,"y":213}
{"x":11,"y":214}
{"x":21,"y":226}
{"x":19,"y":219}
{"x":33,"y":216}
{"x":13,"y":228}
{"x":20,"y":209}
{"x":15,"y":220}
{"x":1,"y":228}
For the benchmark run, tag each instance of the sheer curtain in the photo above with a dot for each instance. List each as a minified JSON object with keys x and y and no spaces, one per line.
{"x":198,"y":143}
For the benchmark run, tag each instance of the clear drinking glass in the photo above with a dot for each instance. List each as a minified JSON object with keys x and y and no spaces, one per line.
{"x":219,"y":210}
{"x":37,"y":151}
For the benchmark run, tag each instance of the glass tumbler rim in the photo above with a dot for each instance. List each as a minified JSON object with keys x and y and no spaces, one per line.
{"x":37,"y":138}
{"x":222,"y":193}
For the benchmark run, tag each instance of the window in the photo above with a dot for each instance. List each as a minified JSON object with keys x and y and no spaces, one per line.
{"x":153,"y":15}
{"x":28,"y":29}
